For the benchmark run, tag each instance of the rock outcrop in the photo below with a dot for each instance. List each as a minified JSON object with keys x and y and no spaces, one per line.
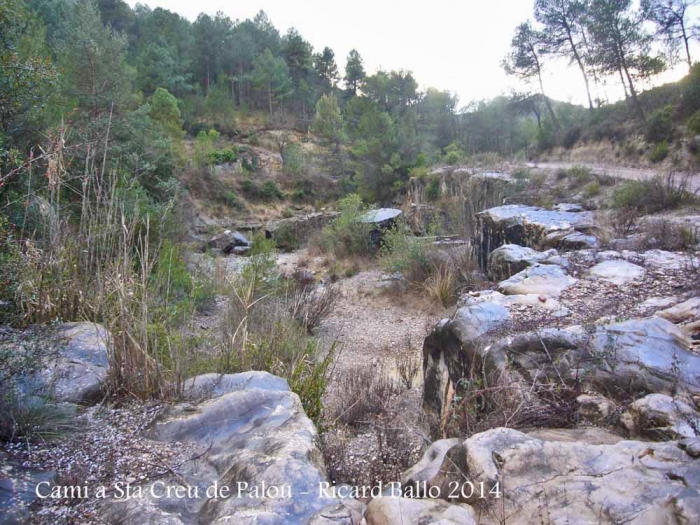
{"x":617,"y":272}
{"x":448,"y":352}
{"x":74,"y":367}
{"x":528,"y":226}
{"x":509,"y":259}
{"x":619,"y":361}
{"x":229,"y":242}
{"x":407,"y":511}
{"x":256,"y":440}
{"x":554,"y":481}
{"x":658,"y":416}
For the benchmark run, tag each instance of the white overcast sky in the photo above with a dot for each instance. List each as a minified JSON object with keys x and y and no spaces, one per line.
{"x":456,"y":45}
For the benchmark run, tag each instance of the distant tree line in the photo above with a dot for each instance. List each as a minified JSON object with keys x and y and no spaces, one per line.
{"x":603,"y":39}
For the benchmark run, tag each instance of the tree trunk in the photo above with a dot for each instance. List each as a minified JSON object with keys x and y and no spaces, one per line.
{"x":269,"y":98}
{"x":555,"y":120}
{"x":580,"y":65}
{"x":687,"y":46}
{"x":633,"y":92}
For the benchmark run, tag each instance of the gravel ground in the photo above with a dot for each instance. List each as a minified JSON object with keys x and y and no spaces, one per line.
{"x":107,"y":447}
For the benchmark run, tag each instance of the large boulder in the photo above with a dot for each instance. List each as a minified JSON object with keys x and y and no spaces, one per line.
{"x":540,"y":279}
{"x":618,"y":361}
{"x":407,"y":511}
{"x":526,"y":226}
{"x":254,"y":438}
{"x":530,"y":480}
{"x":228,"y":241}
{"x":381,"y":217}
{"x":658,"y":416}
{"x":450,"y":351}
{"x":79,"y":372}
{"x":426,"y":473}
{"x":64,"y":363}
{"x":510,"y":259}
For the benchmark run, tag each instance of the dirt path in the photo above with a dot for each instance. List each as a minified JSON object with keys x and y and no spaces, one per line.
{"x":619,"y":172}
{"x":373,"y":328}
{"x":371,"y":323}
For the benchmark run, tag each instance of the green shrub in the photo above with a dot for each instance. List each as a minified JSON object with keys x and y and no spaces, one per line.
{"x":578,"y":176}
{"x":432,"y":190}
{"x":231,"y":199}
{"x":591,"y":190}
{"x":260,"y":329}
{"x":660,"y":125}
{"x":224,"y":156}
{"x":660,"y":152}
{"x":271,"y":191}
{"x":694,"y":123}
{"x":299,"y":195}
{"x":537,"y":180}
{"x":653,"y":195}
{"x":346,"y":235}
{"x":407,"y":254}
{"x":250,"y":188}
{"x":453,"y":153}
{"x":286,"y":238}
{"x":293,"y":159}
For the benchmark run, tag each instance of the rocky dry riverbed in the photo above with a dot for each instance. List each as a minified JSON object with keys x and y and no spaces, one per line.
{"x":566,"y":390}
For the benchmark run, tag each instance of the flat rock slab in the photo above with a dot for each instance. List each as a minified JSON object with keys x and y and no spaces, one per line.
{"x":547,"y":280}
{"x":617,"y":272}
{"x":381,"y":216}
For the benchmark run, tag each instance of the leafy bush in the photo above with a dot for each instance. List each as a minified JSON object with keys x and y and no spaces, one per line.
{"x":266,"y":327}
{"x":293,"y":159}
{"x":537,"y":180}
{"x":592,"y":189}
{"x":250,"y":188}
{"x":432,"y":190}
{"x":204,"y":146}
{"x":271,"y":191}
{"x":346,"y":235}
{"x":660,"y":126}
{"x":694,"y":123}
{"x":453,"y":153}
{"x":660,"y":152}
{"x":27,"y":409}
{"x":578,"y":176}
{"x":231,"y":199}
{"x":654,"y":195}
{"x":286,"y":238}
{"x":224,"y":156}
{"x":10,"y":266}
